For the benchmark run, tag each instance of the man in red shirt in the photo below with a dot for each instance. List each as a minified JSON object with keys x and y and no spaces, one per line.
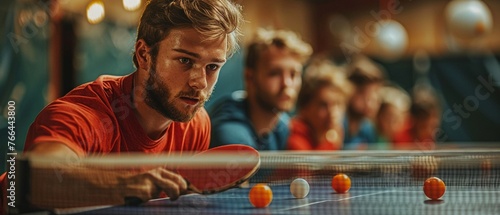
{"x":181,"y":46}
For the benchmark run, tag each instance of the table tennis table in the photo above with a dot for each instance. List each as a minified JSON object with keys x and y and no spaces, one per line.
{"x":382,"y":183}
{"x":391,"y":188}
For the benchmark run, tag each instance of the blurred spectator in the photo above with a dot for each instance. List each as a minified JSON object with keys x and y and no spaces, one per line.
{"x":367,"y":78}
{"x":424,"y":119}
{"x":257,"y":117}
{"x":321,"y":108}
{"x":392,"y":114}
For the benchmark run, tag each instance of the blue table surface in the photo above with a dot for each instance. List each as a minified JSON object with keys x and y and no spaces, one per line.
{"x":368,"y":195}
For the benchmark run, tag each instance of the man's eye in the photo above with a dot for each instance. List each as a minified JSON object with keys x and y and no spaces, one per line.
{"x":213,"y":67}
{"x":184,"y":60}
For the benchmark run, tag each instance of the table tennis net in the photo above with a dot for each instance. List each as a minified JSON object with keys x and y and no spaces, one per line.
{"x":383,"y":182}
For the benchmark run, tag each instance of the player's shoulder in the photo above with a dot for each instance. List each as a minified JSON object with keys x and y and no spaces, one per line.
{"x":92,"y":99}
{"x":104,"y":90}
{"x":73,"y":112}
{"x":103,"y":84}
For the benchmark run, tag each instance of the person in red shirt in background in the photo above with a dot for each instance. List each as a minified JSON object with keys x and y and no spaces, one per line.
{"x":181,"y":46}
{"x":424,"y":119}
{"x":321,"y":108}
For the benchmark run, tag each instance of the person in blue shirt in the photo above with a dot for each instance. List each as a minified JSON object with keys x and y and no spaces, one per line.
{"x":367,"y":78}
{"x":272,"y":77}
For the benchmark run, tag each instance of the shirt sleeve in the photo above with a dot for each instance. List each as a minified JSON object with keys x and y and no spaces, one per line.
{"x":77,"y":127}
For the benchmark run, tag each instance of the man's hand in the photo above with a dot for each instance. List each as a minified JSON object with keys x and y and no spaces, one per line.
{"x":96,"y":186}
{"x":149,"y":185}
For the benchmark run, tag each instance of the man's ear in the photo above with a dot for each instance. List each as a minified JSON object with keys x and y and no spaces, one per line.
{"x":142,"y":54}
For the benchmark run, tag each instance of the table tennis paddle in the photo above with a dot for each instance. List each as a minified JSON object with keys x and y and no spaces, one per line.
{"x":208,"y":179}
{"x":209,"y":172}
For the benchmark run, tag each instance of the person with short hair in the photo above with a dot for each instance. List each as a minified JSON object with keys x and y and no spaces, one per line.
{"x":272,"y":77}
{"x":181,"y":46}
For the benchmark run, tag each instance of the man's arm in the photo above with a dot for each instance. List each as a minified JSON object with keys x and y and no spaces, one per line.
{"x":68,"y":184}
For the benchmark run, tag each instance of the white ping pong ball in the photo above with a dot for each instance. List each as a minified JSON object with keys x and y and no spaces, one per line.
{"x":299,"y":188}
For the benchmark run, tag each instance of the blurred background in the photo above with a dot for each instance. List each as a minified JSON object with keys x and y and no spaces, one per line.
{"x":50,"y":46}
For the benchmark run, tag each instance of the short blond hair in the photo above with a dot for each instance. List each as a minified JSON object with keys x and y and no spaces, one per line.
{"x":391,"y":94}
{"x":281,"y":39}
{"x":319,"y":74}
{"x":212,"y":18}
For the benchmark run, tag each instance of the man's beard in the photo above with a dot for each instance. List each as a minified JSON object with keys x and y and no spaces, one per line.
{"x":269,"y":102}
{"x":158,"y":96}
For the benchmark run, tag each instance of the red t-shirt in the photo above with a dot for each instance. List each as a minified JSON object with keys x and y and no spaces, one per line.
{"x":97,"y":118}
{"x":302,"y":138}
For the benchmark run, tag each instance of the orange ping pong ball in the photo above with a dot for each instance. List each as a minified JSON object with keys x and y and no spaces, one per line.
{"x":341,"y":183}
{"x":434,"y":188}
{"x":260,"y":195}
